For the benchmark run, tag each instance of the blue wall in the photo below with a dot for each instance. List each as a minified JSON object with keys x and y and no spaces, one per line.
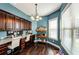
{"x":3,"y":34}
{"x":9,"y":8}
{"x":51,"y":16}
{"x":45,"y":23}
{"x":58,"y":14}
{"x":34,"y":26}
{"x":63,"y":6}
{"x":42,"y":22}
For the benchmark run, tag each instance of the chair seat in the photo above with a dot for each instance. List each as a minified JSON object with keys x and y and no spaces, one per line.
{"x":10,"y":47}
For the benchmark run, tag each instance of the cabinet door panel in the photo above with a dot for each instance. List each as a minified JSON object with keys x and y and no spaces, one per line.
{"x":17,"y":24}
{"x":9,"y":22}
{"x":2,"y":20}
{"x":26,"y":25}
{"x":22,"y":24}
{"x":30,"y":25}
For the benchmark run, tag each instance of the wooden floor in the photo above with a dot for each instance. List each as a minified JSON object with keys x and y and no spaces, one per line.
{"x":39,"y":49}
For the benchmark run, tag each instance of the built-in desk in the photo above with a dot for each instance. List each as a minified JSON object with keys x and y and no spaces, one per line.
{"x":4,"y":45}
{"x":18,"y":43}
{"x":14,"y":42}
{"x":4,"y":41}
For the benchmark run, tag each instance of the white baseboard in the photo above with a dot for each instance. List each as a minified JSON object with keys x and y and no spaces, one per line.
{"x":49,"y":43}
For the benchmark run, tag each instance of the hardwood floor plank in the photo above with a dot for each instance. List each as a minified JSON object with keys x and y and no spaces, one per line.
{"x":39,"y":49}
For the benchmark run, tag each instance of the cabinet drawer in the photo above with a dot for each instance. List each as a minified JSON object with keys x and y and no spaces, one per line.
{"x":2,"y":45}
{"x":3,"y":49}
{"x":2,"y":52}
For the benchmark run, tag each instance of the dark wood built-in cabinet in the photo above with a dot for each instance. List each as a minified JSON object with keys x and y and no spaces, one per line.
{"x":2,"y":20}
{"x":22,"y":25}
{"x":3,"y":49}
{"x":22,"y":43}
{"x":25,"y":26}
{"x":30,"y":25}
{"x":17,"y":23}
{"x":11,"y":22}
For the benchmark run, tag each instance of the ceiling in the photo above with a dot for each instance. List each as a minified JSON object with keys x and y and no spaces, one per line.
{"x":42,"y":8}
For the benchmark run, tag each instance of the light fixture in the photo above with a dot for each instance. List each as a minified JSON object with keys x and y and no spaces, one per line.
{"x":36,"y":17}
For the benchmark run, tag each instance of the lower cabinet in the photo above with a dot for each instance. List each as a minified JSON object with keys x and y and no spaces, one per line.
{"x":9,"y":22}
{"x":22,"y":44}
{"x":3,"y":49}
{"x":2,"y":20}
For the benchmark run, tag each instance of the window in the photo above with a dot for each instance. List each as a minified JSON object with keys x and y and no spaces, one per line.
{"x":75,"y":29}
{"x":53,"y":28}
{"x":70,"y":29}
{"x":66,"y":28}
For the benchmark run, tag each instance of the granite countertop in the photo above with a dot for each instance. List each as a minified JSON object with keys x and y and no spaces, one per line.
{"x":9,"y":39}
{"x":6,"y":40}
{"x":15,"y":41}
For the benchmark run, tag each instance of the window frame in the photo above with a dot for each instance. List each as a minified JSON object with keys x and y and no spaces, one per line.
{"x":55,"y":18}
{"x":62,"y":29}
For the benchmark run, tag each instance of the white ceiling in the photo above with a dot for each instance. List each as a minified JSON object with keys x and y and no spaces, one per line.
{"x":42,"y":8}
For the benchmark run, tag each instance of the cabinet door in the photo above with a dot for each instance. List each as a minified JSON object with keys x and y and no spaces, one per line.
{"x":25,"y":25}
{"x":30,"y":25}
{"x":9,"y":22}
{"x":3,"y":49}
{"x":17,"y":24}
{"x":22,"y":24}
{"x":2,"y":20}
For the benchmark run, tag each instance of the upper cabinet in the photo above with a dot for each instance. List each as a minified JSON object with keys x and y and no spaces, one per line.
{"x":17,"y":24}
{"x":2,"y":20}
{"x":25,"y":25}
{"x":12,"y":22}
{"x":22,"y":24}
{"x":30,"y":25}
